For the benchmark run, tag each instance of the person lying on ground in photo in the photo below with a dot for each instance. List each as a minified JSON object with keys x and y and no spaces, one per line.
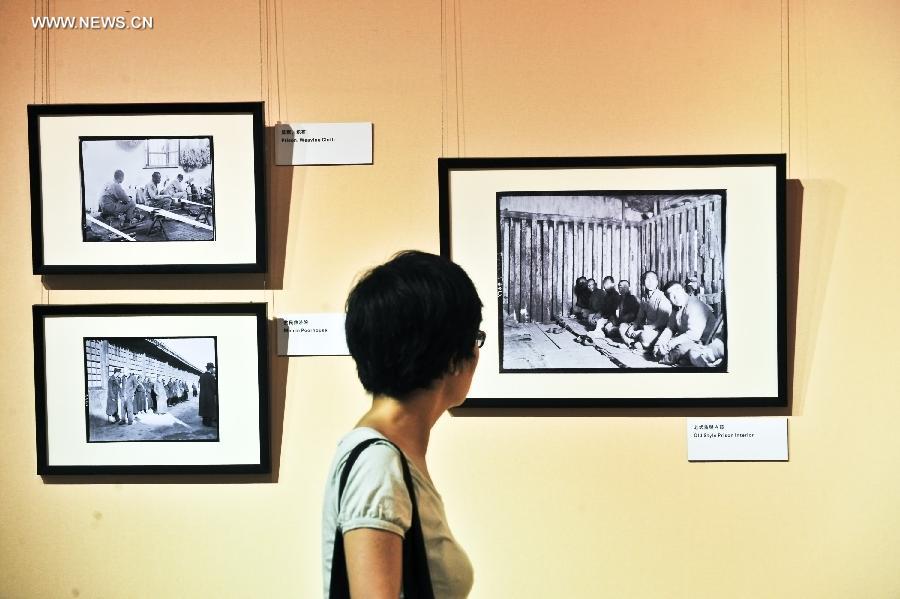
{"x":690,"y":322}
{"x":653,"y":315}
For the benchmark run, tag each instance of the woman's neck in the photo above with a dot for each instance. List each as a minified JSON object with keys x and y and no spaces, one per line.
{"x":406,"y":422}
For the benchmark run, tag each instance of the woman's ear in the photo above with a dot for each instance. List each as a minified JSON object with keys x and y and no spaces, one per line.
{"x":454,"y":369}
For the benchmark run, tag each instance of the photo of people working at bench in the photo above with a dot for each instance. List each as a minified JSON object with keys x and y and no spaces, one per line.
{"x":147,"y":189}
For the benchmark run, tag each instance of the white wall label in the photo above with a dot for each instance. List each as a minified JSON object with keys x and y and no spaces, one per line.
{"x":737,"y":439}
{"x":323,"y":143}
{"x":312,"y":334}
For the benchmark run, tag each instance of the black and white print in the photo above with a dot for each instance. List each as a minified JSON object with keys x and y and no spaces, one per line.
{"x":147,"y":188}
{"x":151,"y":389}
{"x":606,"y":280}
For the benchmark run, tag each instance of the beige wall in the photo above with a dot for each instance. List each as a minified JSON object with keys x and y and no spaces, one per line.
{"x":562,"y":506}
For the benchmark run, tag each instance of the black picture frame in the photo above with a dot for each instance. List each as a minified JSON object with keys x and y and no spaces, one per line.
{"x":42,"y":313}
{"x":255,"y":205}
{"x":559,"y":166}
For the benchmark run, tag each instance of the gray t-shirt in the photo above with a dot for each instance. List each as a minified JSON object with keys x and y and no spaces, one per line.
{"x":376,"y":497}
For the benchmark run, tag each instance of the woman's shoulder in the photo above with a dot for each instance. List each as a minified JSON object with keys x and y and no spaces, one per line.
{"x":379,"y":456}
{"x":378,"y":461}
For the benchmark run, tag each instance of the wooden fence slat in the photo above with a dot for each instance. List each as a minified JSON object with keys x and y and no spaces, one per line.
{"x":536,"y":259}
{"x":707,"y":243}
{"x":558,"y":270}
{"x":567,"y":266}
{"x":663,"y":263}
{"x":718,"y":263}
{"x":504,"y":262}
{"x":515,"y":277}
{"x":682,"y":245}
{"x":545,"y":273}
{"x":525,"y":303}
{"x":676,"y":240}
{"x":673,"y":274}
{"x":578,"y":263}
{"x":692,"y":239}
{"x":588,"y":249}
{"x":635,"y":256}
{"x":607,"y":253}
{"x":616,"y":253}
{"x":551,"y":266}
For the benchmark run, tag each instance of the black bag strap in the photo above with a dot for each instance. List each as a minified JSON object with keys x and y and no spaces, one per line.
{"x":416,"y":577}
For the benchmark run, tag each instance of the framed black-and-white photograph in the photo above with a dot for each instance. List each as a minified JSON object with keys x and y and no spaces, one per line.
{"x":140,"y":388}
{"x":623,"y":281}
{"x":147,"y":188}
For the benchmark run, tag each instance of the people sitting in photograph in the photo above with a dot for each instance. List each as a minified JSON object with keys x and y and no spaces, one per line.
{"x":176,"y":189}
{"x":653,"y":315}
{"x":582,"y":297}
{"x":114,"y":201}
{"x":626,"y":313}
{"x":690,"y":322}
{"x":152,"y":196}
{"x":604,"y":303}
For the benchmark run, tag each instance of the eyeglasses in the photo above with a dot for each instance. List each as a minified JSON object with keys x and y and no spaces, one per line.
{"x":479,"y":338}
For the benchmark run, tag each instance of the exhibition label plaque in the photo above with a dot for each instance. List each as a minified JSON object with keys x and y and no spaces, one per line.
{"x":737,"y":439}
{"x":323,"y":143}
{"x":312,"y":334}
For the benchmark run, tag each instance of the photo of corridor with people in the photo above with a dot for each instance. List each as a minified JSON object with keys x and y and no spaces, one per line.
{"x":609,"y":280}
{"x":151,"y":389}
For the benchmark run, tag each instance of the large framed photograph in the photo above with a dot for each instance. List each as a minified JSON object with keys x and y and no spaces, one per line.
{"x":147,"y":188}
{"x":623,"y":281}
{"x":134,"y":388}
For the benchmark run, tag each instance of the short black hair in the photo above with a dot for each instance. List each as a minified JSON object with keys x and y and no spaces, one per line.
{"x":410,"y":321}
{"x":607,"y":278}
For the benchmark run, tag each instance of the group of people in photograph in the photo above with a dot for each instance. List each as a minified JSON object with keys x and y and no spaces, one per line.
{"x":130,"y":392}
{"x":671,"y":325}
{"x":115,"y":201}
